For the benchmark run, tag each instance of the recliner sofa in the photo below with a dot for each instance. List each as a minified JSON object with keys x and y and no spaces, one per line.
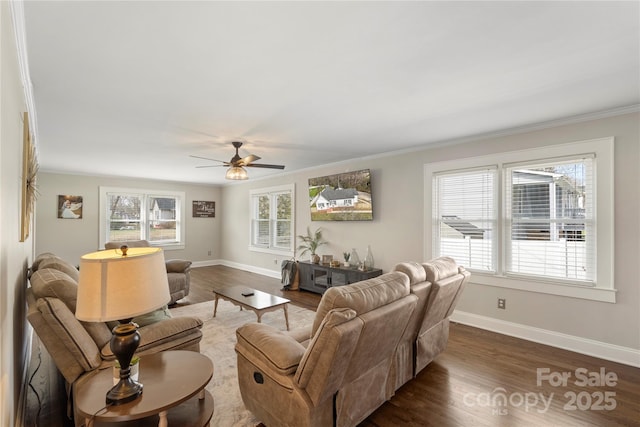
{"x":367,"y":340}
{"x":79,"y":348}
{"x":340,"y":377}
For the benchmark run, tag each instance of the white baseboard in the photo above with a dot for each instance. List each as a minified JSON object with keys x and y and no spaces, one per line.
{"x":207,"y":263}
{"x":276,"y":274}
{"x":614,"y":353}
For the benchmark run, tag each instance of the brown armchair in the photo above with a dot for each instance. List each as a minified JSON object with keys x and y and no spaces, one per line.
{"x":178,"y":270}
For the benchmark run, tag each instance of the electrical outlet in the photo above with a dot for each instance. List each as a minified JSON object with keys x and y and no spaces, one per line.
{"x":502,"y":303}
{"x":209,"y":253}
{"x":275,"y":261}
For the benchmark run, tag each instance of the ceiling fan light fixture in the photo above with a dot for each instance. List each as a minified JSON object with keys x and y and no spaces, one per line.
{"x":236,"y":173}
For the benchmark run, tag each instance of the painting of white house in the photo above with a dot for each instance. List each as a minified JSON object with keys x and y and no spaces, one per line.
{"x":341,"y":197}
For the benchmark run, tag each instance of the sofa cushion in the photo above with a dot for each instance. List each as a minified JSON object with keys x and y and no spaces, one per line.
{"x":415,"y":271}
{"x":61,"y":265}
{"x":177,"y":265}
{"x":52,"y":283}
{"x":363,"y":296}
{"x":168,"y":333}
{"x":318,"y":372}
{"x":129,"y":243}
{"x":268,"y":343}
{"x":440,"y":268}
{"x":36,"y":262}
{"x":68,"y":329}
{"x":49,"y":282}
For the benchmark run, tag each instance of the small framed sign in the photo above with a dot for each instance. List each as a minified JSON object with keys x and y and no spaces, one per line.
{"x":203,"y":209}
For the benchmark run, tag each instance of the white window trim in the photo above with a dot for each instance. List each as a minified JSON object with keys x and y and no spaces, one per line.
{"x":270,"y":191}
{"x":146,"y":192}
{"x":603,"y":148}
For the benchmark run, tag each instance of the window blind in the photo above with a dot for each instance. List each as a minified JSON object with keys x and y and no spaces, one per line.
{"x":464,"y":215}
{"x":549,"y":227}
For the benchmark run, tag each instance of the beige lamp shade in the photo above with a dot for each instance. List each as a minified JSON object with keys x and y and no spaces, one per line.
{"x":117,"y":287}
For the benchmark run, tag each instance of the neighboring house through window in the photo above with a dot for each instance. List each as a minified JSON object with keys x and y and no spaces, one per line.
{"x":135,"y":214}
{"x":272,"y":224}
{"x":527,"y":219}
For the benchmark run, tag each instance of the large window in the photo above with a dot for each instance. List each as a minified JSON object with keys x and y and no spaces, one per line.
{"x":272,"y":214}
{"x":132,"y":214}
{"x":527,"y":219}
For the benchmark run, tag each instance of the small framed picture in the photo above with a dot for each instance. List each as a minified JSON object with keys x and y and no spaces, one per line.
{"x":203,"y":209}
{"x":69,"y":207}
{"x":326,"y":259}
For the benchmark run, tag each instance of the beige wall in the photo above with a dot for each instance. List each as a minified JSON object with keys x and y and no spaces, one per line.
{"x":72,"y":238}
{"x":14,"y":256}
{"x":396,"y":233}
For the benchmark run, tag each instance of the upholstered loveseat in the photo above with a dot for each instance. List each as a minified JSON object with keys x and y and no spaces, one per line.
{"x":79,"y":348}
{"x":178,"y":270}
{"x":341,"y":376}
{"x":367,"y":340}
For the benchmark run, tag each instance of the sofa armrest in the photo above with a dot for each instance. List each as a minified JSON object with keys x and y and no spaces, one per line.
{"x":269,"y":349}
{"x":177,"y":265}
{"x":155,"y":336}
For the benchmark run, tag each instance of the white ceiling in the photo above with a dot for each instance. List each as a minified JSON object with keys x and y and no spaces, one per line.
{"x":133,"y":88}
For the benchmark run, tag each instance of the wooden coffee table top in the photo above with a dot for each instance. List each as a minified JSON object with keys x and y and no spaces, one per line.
{"x":169,"y":378}
{"x":259,"y":300}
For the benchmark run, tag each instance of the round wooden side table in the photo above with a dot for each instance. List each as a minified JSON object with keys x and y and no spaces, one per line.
{"x":173,"y":388}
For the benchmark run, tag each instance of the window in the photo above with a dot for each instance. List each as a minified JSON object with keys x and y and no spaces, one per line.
{"x":465,"y":212}
{"x":549,"y":219}
{"x":527,"y":219}
{"x":272,"y":225}
{"x":128,"y":214}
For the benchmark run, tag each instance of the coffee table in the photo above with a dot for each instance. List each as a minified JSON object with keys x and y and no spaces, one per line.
{"x":173,"y":388}
{"x":251,"y":299}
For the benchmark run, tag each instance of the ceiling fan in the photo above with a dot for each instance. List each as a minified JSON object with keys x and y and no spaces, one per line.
{"x":237,"y":164}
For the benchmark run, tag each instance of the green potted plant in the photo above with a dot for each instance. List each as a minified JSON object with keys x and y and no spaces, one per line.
{"x":310,"y":243}
{"x":346,"y":256}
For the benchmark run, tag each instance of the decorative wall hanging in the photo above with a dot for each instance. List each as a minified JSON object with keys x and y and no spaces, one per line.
{"x":69,"y":207}
{"x":203,"y":209}
{"x":29,"y":174}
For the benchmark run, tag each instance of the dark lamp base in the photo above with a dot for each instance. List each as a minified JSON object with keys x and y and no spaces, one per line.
{"x":125,"y":391}
{"x":124,"y":342}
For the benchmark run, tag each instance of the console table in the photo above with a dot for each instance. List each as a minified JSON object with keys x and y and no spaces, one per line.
{"x":320,"y":277}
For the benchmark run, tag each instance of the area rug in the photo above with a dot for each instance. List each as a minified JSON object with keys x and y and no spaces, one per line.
{"x":218,"y":341}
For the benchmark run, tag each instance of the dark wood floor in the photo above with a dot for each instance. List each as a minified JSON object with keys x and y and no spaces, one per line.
{"x":482,"y":379}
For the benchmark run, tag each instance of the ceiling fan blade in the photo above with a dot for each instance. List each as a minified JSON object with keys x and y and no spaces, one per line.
{"x":213,"y":166}
{"x":263,"y":165}
{"x":207,"y":158}
{"x":246,"y":160}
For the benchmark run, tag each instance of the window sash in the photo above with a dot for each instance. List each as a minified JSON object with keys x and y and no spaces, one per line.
{"x":465,"y":216}
{"x":549,"y":229}
{"x":272,"y":219}
{"x":161,"y":229}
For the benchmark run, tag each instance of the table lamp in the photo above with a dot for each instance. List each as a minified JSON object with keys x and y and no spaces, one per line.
{"x":120,"y":285}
